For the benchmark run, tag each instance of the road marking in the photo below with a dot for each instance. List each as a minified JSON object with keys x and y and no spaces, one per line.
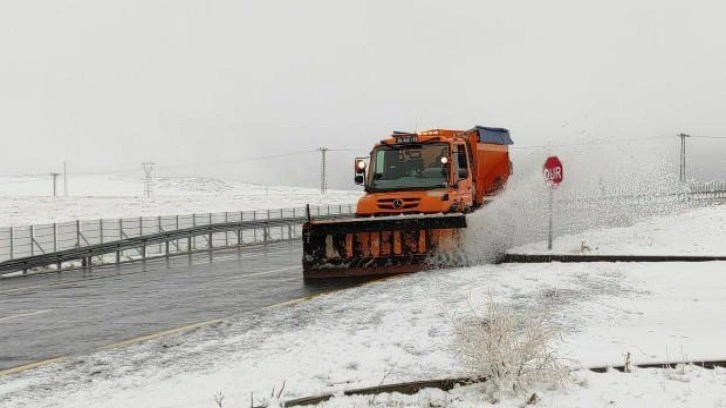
{"x":308,"y":297}
{"x":158,"y":334}
{"x":287,"y":302}
{"x":37,"y":312}
{"x":327,"y":292}
{"x":19,"y":369}
{"x":375,"y":281}
{"x":273,"y":271}
{"x":189,"y":327}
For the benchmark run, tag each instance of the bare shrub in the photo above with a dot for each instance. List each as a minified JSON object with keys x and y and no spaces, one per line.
{"x":511,"y":351}
{"x":219,"y":399}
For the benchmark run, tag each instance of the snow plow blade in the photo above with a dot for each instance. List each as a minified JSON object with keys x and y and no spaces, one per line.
{"x":377,"y":246}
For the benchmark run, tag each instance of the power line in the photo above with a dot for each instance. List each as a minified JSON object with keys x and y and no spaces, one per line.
{"x":710,"y":137}
{"x":249,"y":159}
{"x":37,"y":179}
{"x":171,"y":166}
{"x":345,"y":150}
{"x":610,"y":141}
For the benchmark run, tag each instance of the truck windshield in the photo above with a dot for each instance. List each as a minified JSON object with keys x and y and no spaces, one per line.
{"x":402,"y":167}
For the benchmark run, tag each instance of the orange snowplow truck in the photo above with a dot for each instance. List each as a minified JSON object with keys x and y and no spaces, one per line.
{"x":418,"y":188}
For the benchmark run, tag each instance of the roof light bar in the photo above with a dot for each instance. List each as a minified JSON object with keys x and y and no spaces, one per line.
{"x":406,"y":138}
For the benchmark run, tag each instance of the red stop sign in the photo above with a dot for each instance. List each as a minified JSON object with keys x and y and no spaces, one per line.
{"x":552,"y":171}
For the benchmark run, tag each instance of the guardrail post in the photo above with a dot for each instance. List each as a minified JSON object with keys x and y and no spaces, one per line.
{"x":210,"y":241}
{"x":159,"y":229}
{"x":340,"y":208}
{"x":254,"y":227}
{"x":141,"y":226}
{"x":166,"y":248}
{"x":100,"y":229}
{"x":120,"y":237}
{"x":193,"y":243}
{"x":226,"y":233}
{"x":189,"y":246}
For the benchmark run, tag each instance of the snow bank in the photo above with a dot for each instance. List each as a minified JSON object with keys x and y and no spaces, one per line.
{"x":700,"y":231}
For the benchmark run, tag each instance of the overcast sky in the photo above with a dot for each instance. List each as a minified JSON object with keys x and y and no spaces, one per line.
{"x":106,"y":85}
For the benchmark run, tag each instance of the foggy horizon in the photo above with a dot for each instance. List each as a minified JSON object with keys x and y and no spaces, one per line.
{"x":209,"y":89}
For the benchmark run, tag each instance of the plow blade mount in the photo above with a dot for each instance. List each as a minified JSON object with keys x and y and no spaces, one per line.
{"x":377,"y":246}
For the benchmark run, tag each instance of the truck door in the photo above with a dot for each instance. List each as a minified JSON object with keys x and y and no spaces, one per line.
{"x":462,"y":174}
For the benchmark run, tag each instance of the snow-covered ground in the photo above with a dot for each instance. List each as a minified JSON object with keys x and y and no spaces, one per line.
{"x":699,"y":231}
{"x":27,"y":200}
{"x":402,"y":329}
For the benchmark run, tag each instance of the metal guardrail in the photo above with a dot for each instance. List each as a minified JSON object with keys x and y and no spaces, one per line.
{"x":249,"y":228}
{"x":127,"y":239}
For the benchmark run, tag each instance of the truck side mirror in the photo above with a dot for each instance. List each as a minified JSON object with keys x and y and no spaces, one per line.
{"x":360,"y":170}
{"x":463,"y":173}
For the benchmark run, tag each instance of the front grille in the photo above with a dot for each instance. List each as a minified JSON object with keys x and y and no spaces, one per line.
{"x":408,"y":203}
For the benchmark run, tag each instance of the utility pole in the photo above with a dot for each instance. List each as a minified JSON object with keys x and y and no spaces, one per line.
{"x":55,"y":183}
{"x":682,"y":174}
{"x":147,"y":166}
{"x":323,"y":174}
{"x":65,"y":179}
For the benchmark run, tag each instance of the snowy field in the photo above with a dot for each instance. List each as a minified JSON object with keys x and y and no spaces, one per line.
{"x":699,"y":231}
{"x":403,"y":329}
{"x":27,"y":200}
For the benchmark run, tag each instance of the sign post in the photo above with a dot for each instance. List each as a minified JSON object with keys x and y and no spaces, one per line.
{"x":552,"y":172}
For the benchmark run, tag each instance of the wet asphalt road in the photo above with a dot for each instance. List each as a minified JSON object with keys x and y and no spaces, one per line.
{"x":77,"y":312}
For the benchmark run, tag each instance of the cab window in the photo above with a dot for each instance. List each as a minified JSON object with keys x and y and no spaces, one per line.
{"x":461,"y":157}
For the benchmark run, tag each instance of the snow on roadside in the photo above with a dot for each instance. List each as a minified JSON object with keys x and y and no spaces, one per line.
{"x":23,"y":203}
{"x":400,"y":330}
{"x":684,"y":386}
{"x":699,"y":231}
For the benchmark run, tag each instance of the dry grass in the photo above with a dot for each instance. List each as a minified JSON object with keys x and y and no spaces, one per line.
{"x":512,"y":351}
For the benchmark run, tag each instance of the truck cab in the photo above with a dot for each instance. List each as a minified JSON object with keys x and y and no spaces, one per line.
{"x":435,"y":171}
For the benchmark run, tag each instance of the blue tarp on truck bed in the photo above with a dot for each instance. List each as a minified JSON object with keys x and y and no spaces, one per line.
{"x":492,"y":135}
